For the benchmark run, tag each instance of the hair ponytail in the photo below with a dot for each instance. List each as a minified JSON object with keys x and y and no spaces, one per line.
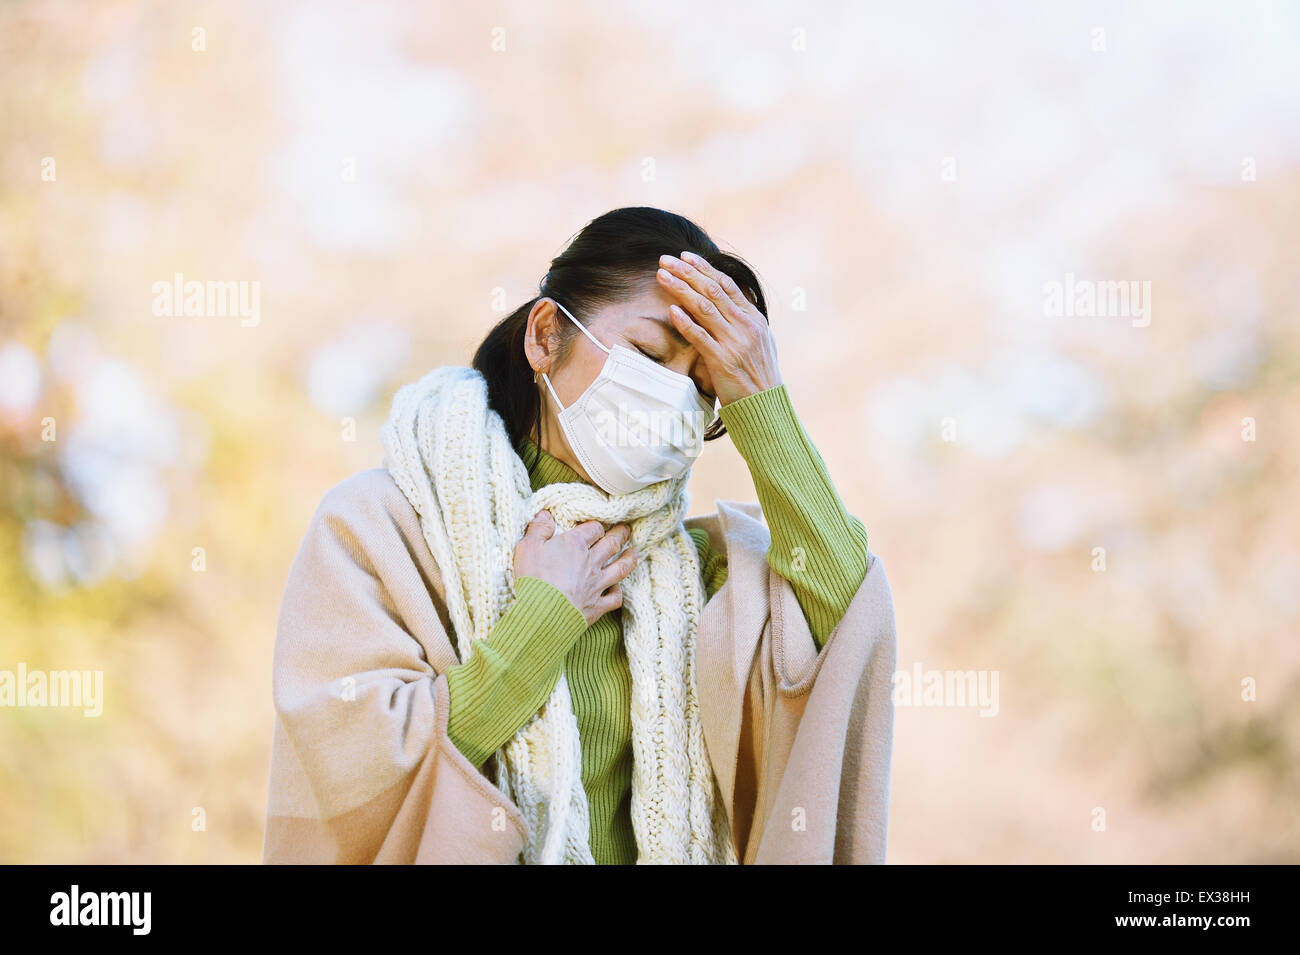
{"x":512,"y":392}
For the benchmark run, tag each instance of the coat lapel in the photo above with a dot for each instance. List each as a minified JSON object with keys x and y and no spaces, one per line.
{"x":729,"y":632}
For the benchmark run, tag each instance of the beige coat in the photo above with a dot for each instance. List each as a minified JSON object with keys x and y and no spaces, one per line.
{"x":362,"y":769}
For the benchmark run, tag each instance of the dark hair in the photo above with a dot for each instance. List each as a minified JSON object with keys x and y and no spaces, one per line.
{"x":614,"y":256}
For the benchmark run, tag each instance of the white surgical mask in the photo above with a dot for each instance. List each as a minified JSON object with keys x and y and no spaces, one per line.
{"x":637,"y":424}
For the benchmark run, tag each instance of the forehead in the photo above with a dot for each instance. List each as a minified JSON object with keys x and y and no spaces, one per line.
{"x":630,"y":316}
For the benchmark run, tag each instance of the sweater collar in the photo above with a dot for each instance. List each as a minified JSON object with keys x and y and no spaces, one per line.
{"x":543,"y":469}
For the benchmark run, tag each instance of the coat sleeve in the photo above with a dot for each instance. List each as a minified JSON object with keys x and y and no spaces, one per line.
{"x":827,"y":732}
{"x":800,"y":737}
{"x":362,"y":767}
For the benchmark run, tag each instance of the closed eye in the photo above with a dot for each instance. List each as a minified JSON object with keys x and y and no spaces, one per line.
{"x":711,"y":399}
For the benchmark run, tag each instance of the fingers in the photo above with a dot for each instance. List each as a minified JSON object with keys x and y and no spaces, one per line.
{"x":729,"y":286}
{"x":609,"y":601}
{"x":720,"y":287}
{"x":618,"y":569}
{"x":541,"y":526}
{"x":700,"y":293}
{"x":691,"y":330}
{"x":588,"y":532}
{"x":700,"y":308}
{"x":608,"y":546}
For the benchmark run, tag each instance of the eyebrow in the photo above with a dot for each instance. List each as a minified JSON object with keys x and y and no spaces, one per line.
{"x":676,"y":335}
{"x":666,"y":325}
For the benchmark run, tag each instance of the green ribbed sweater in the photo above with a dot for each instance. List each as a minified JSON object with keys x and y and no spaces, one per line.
{"x":816,"y":545}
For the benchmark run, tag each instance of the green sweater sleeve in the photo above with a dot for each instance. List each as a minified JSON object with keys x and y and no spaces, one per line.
{"x":713,"y":563}
{"x":512,"y":672}
{"x":816,"y":544}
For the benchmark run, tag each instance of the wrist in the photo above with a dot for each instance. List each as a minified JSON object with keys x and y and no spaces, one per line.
{"x":760,"y":420}
{"x":730,"y":398}
{"x":548,"y":603}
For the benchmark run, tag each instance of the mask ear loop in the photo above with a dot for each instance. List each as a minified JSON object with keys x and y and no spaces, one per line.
{"x":586,"y":332}
{"x":554,"y":396}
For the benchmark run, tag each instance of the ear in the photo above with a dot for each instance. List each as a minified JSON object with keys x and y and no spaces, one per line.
{"x":542,"y":335}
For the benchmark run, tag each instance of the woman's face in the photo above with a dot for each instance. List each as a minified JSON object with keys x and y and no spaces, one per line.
{"x":639,"y":323}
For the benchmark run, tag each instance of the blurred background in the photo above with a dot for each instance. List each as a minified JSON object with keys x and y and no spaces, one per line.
{"x":907,"y":179}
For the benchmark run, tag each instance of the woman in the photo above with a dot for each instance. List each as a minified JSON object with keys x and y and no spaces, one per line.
{"x":510,"y":645}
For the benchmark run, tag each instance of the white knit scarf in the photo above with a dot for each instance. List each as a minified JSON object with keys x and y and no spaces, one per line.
{"x":450,"y":454}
